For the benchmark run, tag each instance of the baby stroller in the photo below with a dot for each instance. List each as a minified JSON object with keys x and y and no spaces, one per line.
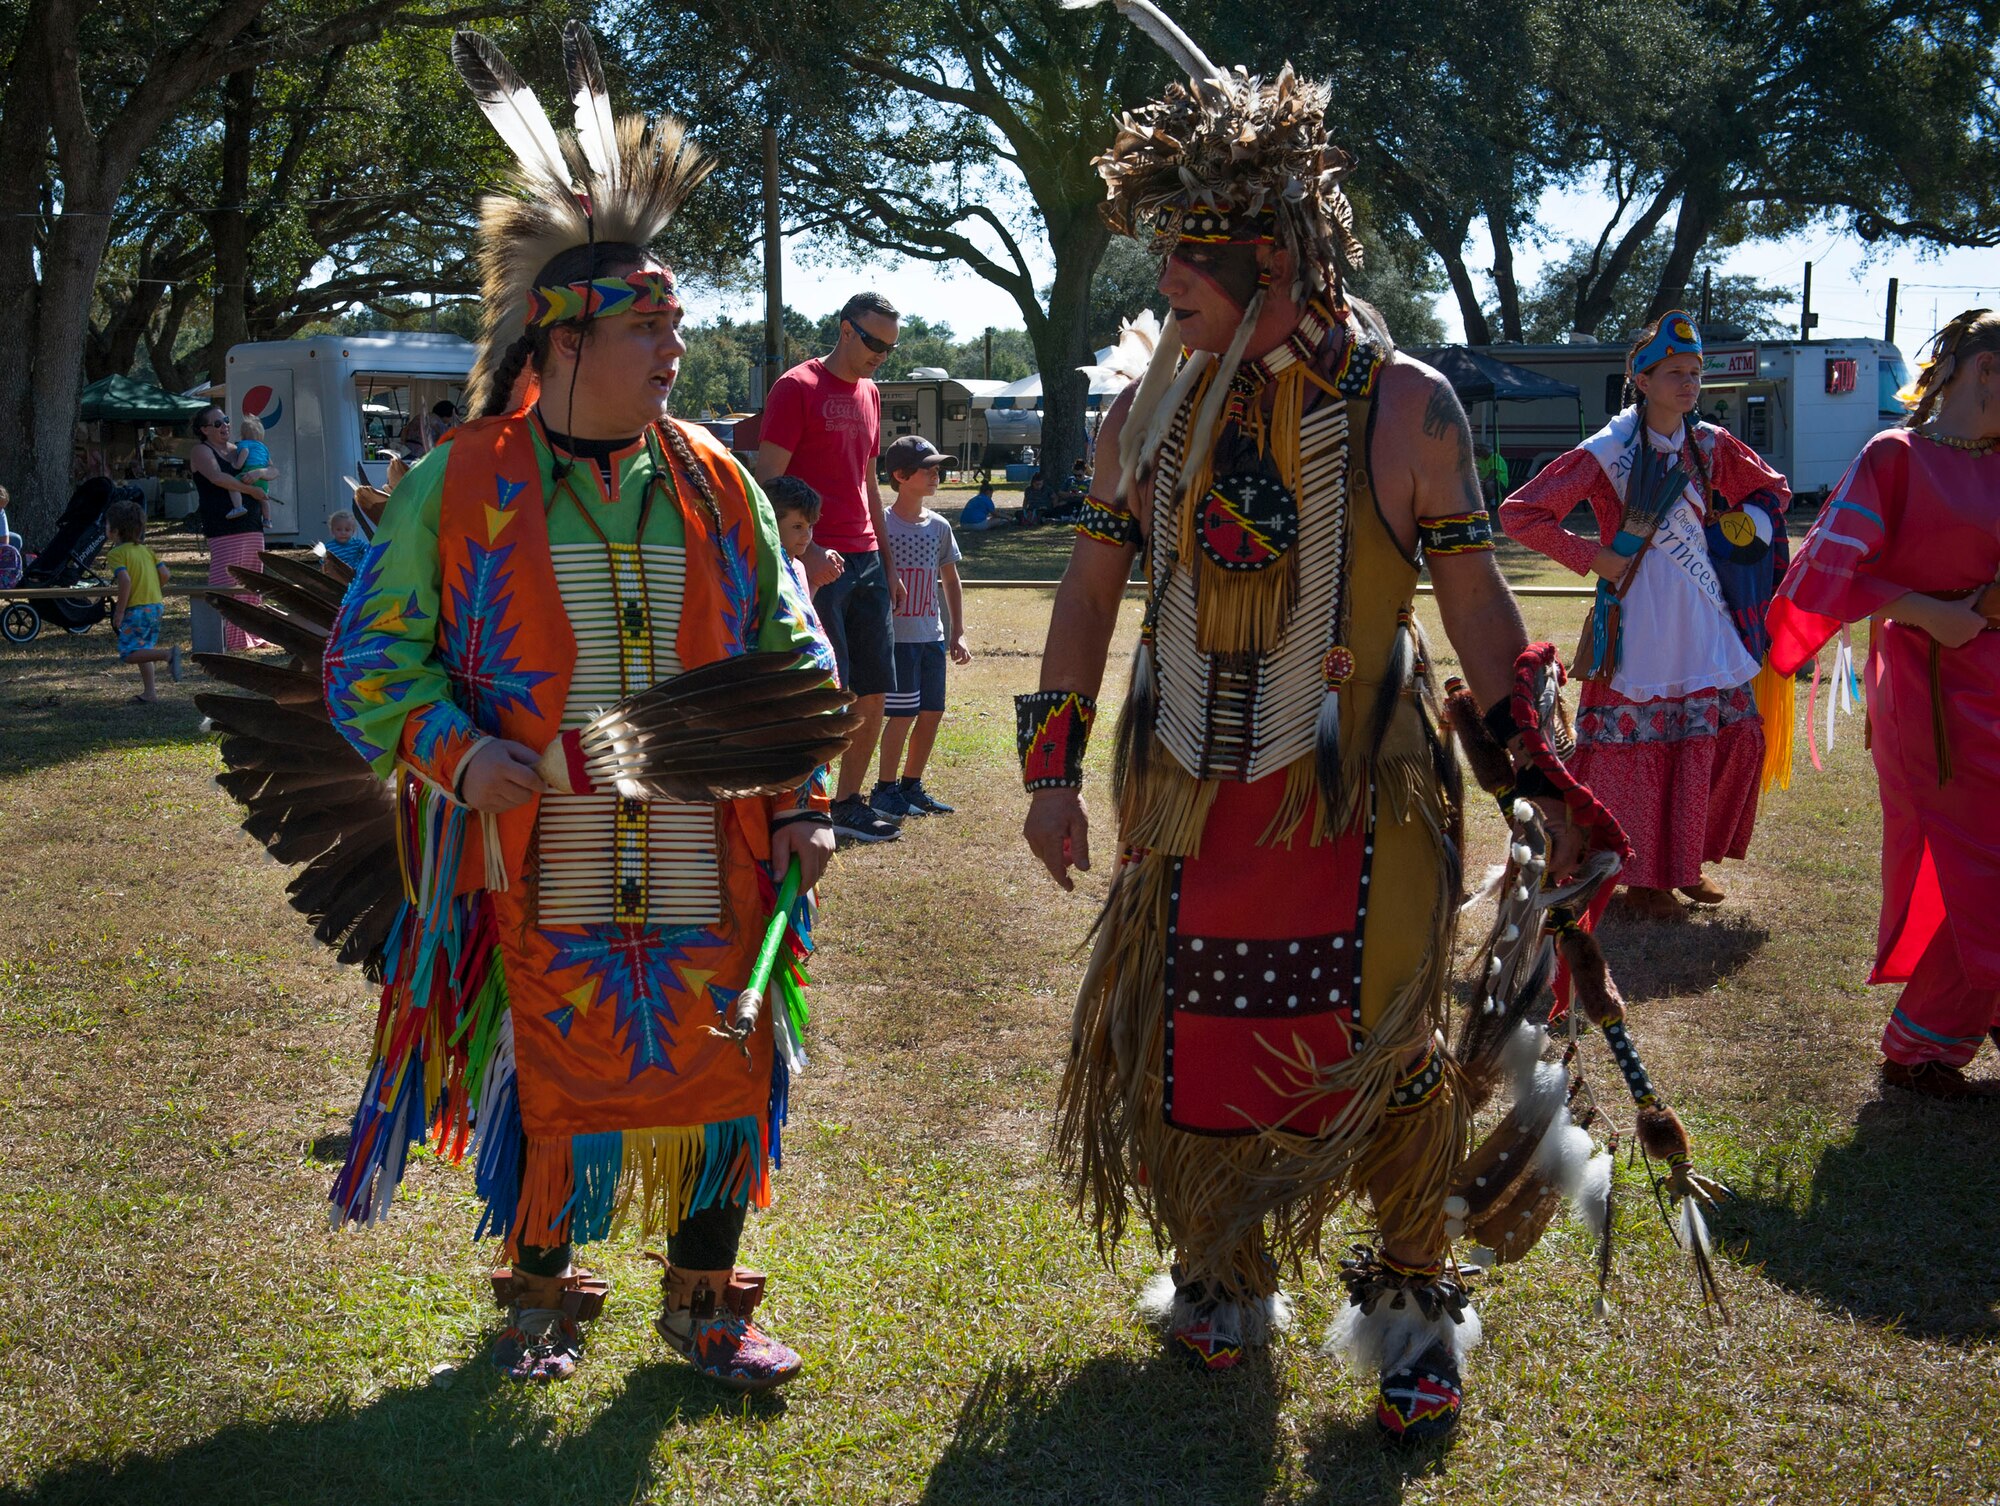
{"x":65,"y":561}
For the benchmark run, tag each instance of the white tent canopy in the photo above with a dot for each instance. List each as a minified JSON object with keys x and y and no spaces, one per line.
{"x":1027,"y":392}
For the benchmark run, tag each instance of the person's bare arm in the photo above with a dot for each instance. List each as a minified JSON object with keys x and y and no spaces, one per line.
{"x":954,"y":601}
{"x":1952,"y":623}
{"x":123,"y":581}
{"x":1423,"y":422}
{"x":1079,"y":641}
{"x":204,"y":463}
{"x":879,"y":517}
{"x":773,"y":461}
{"x":1424,"y":426}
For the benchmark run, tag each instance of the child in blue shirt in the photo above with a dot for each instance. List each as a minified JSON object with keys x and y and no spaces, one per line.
{"x":253,"y":462}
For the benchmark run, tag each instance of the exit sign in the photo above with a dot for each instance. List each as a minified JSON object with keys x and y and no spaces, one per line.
{"x":1738,"y":362}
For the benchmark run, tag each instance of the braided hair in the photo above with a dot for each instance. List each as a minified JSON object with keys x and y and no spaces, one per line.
{"x":1973,"y":333}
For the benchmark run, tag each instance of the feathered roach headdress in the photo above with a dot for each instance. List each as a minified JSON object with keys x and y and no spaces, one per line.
{"x":610,"y":180}
{"x":1225,"y":159}
{"x":1232,"y":159}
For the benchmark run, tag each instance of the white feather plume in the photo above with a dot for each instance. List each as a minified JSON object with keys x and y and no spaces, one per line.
{"x":1254,"y":1319}
{"x":1156,"y":24}
{"x":510,"y":105}
{"x":1395,"y":1337}
{"x":1694,"y":1228}
{"x":596,"y":126}
{"x":1138,"y":338}
{"x":1162,"y":390}
{"x":1592,"y":1198}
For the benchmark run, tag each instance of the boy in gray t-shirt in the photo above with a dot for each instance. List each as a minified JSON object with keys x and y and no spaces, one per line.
{"x":923,"y":554}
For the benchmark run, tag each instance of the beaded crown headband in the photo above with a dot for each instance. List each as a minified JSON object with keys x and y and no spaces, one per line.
{"x":1676,"y":336}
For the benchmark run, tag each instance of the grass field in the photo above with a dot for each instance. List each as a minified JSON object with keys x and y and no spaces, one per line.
{"x":178,"y":1325}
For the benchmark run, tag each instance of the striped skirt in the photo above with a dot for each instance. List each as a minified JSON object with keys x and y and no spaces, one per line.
{"x":234,"y":549}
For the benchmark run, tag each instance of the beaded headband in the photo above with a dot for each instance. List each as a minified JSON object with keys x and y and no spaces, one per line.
{"x":644,"y":292}
{"x":1193,"y":224}
{"x":1676,"y":336}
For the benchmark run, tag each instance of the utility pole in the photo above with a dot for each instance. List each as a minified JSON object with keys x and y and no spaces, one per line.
{"x":988,"y":372}
{"x":1707,"y":293}
{"x":774,"y":273}
{"x":1889,"y":314}
{"x":1807,"y":318}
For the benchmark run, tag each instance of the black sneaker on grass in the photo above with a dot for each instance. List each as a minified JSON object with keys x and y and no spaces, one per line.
{"x":887,"y":801}
{"x":921,"y":801}
{"x":857,"y":821}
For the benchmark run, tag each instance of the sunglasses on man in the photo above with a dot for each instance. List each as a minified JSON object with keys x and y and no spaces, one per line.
{"x":880,"y":347}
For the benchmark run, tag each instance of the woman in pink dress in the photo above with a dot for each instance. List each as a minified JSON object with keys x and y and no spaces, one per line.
{"x":1668,"y":732}
{"x":1911,"y":540}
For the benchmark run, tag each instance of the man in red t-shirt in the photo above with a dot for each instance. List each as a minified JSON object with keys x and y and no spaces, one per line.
{"x":823,"y":424}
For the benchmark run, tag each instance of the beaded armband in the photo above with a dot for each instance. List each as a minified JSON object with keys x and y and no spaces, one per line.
{"x":1108,"y":524}
{"x":1462,"y":533}
{"x":1051,"y":728}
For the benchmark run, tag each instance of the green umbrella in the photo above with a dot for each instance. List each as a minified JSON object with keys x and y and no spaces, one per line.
{"x":122,"y":400}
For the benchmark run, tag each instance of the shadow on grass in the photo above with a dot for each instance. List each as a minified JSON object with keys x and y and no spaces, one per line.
{"x":64,"y":697}
{"x":1900,"y":1224}
{"x":1657,"y":960}
{"x":479,"y":1438}
{"x":1119,"y":1429}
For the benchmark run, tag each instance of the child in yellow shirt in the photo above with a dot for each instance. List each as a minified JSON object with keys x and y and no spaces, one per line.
{"x":137,"y":572}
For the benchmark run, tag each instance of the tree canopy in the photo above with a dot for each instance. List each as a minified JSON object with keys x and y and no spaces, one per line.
{"x":173,"y":181}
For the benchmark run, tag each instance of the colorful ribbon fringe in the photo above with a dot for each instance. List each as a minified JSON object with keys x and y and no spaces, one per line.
{"x":444,"y":1072}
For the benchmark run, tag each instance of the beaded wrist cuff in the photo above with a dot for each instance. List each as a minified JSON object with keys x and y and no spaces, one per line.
{"x":1052,"y":728}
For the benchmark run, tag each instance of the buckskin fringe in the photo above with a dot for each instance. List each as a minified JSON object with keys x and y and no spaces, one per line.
{"x":1115,"y":1038}
{"x":1166,"y":809}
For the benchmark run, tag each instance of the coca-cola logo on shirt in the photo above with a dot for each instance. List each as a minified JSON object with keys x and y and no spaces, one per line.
{"x":841,"y":411}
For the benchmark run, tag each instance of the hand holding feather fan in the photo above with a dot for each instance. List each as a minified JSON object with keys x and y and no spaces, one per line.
{"x":754,"y":724}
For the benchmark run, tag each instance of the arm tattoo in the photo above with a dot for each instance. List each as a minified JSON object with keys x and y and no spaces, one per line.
{"x":1443,"y":419}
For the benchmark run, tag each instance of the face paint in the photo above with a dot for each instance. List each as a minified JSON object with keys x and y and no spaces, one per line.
{"x":1233,"y":269}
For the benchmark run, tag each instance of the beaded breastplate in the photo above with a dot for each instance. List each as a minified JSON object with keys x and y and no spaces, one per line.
{"x":1247,"y":616}
{"x":607,"y":858}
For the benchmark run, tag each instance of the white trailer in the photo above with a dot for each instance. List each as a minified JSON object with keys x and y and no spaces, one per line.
{"x":1806,"y":406}
{"x":330,"y":404}
{"x":940,"y":408}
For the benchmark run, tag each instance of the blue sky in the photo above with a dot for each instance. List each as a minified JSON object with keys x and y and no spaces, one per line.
{"x":1850,"y":279}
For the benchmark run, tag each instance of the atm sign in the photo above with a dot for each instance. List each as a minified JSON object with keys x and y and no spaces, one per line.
{"x":1739,"y":362}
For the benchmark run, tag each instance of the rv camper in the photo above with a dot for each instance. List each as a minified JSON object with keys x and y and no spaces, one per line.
{"x":939,"y":407}
{"x":334,"y":407}
{"x":1806,"y":406}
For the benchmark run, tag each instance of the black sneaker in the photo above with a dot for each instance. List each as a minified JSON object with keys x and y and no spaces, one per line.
{"x":922,"y":802}
{"x":888,"y":802}
{"x":856,"y":820}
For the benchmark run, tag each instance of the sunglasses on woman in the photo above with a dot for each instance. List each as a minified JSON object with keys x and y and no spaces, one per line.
{"x":880,"y":347}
